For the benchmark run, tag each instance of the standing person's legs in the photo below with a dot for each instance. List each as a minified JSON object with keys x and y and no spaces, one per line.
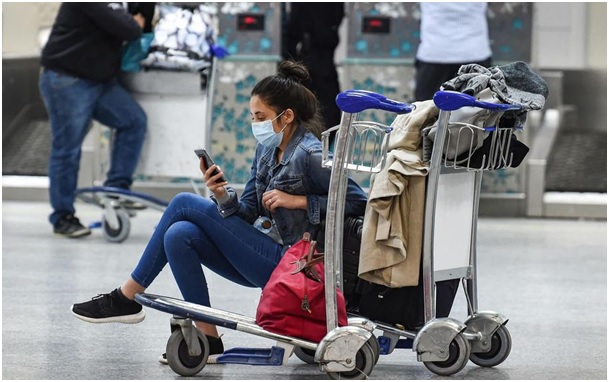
{"x":117,"y":109}
{"x":324,"y":83}
{"x":429,"y":77}
{"x":70,"y":102}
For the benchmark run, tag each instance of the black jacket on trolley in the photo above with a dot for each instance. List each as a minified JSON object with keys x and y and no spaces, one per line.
{"x":87,"y":38}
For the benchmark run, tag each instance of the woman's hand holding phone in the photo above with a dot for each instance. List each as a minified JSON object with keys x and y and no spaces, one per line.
{"x":213,"y":175}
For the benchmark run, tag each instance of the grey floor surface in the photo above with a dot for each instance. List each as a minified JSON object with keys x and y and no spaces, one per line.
{"x":549,"y":277}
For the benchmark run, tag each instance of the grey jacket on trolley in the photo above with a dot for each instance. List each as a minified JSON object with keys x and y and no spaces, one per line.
{"x":298,"y":173}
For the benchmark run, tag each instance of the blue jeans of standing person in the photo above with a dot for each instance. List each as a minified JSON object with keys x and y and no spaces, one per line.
{"x":192,"y":232}
{"x":72,"y":103}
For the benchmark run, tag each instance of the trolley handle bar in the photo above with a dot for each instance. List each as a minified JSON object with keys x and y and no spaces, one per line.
{"x":355,"y":101}
{"x":449,"y":100}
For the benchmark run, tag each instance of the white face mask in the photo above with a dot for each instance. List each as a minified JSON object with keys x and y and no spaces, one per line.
{"x":264,"y":133}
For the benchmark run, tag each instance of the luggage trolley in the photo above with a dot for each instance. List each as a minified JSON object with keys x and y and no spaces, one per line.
{"x":347,"y":352}
{"x":115,"y":222}
{"x":444,"y":345}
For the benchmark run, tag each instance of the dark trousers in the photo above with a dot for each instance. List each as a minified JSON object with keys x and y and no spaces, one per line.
{"x":429,"y":76}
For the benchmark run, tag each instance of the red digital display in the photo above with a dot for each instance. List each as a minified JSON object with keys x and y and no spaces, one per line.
{"x":376,"y":24}
{"x":250,"y":22}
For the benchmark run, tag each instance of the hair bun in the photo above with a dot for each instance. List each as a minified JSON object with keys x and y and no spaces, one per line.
{"x":296,"y":71}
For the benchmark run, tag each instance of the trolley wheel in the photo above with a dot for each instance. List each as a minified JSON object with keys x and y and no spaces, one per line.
{"x":305,"y":355}
{"x":459,"y":352}
{"x":364,"y":363}
{"x":376,"y":347}
{"x":178,"y":358}
{"x":501,"y":345}
{"x":120,"y":234}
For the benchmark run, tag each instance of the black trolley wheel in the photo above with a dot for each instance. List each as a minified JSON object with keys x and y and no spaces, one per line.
{"x":178,"y":358}
{"x":459,"y":352}
{"x":305,"y":355}
{"x":364,"y":364}
{"x":501,"y":345}
{"x":121,"y":233}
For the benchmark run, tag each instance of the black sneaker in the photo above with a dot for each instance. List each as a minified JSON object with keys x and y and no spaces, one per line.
{"x":69,"y":226}
{"x":112,"y":307}
{"x":216,"y":348}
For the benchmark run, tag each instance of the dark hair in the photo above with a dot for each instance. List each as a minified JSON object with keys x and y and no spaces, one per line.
{"x":286,"y":90}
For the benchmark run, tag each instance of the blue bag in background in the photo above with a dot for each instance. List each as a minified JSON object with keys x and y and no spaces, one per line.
{"x":135,"y":51}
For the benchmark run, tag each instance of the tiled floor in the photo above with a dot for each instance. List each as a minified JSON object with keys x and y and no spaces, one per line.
{"x":549,"y":277}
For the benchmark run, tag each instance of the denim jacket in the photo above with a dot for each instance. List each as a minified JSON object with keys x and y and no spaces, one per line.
{"x":298,"y":173}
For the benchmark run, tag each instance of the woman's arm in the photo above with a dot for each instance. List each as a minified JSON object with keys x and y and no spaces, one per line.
{"x":245,"y":206}
{"x":355,"y":201}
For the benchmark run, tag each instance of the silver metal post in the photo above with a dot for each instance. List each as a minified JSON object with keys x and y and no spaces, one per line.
{"x":472,"y":284}
{"x":211,"y":90}
{"x":334,"y":219}
{"x":429,"y":286}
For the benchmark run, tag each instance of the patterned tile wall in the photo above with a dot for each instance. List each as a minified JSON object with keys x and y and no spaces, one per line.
{"x":254,"y":55}
{"x":232,"y":143}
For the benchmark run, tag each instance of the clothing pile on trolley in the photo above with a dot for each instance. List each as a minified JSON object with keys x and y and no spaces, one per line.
{"x":393,"y":226}
{"x":183,"y":38}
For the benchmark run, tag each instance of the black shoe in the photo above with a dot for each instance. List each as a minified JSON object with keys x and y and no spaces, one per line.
{"x":69,"y":226}
{"x":216,"y":348}
{"x":112,"y":307}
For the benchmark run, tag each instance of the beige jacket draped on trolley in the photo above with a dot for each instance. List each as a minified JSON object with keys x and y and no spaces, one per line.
{"x":392,"y":236}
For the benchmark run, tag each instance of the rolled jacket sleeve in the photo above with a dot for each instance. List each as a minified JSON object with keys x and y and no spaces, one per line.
{"x":230,"y":206}
{"x":314,"y":208}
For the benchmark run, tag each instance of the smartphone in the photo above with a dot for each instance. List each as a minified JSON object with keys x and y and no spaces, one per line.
{"x":201,"y":153}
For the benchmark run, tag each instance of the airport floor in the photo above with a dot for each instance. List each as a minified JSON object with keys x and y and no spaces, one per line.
{"x":549,"y":277}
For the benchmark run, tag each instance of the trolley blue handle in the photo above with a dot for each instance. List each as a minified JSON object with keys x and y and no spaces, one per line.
{"x":449,"y":100}
{"x":355,"y":101}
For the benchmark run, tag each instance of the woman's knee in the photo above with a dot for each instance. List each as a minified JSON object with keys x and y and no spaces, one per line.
{"x":190,"y":200}
{"x":179,"y":236}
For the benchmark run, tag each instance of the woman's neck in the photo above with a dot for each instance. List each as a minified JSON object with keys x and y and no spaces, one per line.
{"x":287,"y":137}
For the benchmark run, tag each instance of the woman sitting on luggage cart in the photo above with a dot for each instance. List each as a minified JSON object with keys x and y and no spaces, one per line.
{"x":287,"y":184}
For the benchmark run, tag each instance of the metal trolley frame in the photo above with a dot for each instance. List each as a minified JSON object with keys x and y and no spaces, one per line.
{"x":444,"y":345}
{"x":351,"y":352}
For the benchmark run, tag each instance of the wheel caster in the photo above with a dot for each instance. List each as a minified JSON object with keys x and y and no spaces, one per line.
{"x":364,"y":363}
{"x":459,"y":352}
{"x":501,"y":345}
{"x":119,"y":234}
{"x":178,"y":358}
{"x":305,"y":355}
{"x":376,"y":347}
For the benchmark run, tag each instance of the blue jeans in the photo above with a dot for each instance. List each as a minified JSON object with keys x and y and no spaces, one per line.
{"x":192,"y":232}
{"x":72,"y":103}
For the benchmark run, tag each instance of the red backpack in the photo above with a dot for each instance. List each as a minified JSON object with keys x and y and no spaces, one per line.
{"x":293,"y":301}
